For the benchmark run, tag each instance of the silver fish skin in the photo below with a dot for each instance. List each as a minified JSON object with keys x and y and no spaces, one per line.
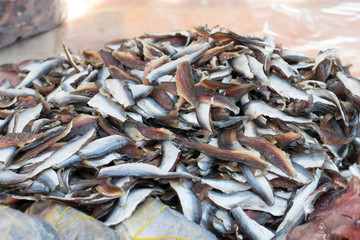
{"x":106,"y":107}
{"x":36,"y":187}
{"x":134,"y":198}
{"x":208,"y":211}
{"x":286,"y":69}
{"x":9,"y":177}
{"x":38,"y":72}
{"x":92,"y":199}
{"x":64,"y":152}
{"x":205,"y":165}
{"x":140,"y":90}
{"x":97,"y":162}
{"x":312,"y":160}
{"x":34,"y":160}
{"x":6,"y":154}
{"x":91,"y":75}
{"x":203,"y":116}
{"x":183,"y":33}
{"x":96,"y":148}
{"x":120,"y":92}
{"x":103,"y":73}
{"x":24,"y":117}
{"x":260,"y":185}
{"x":152,"y":108}
{"x":257,"y":69}
{"x":49,"y":178}
{"x":240,"y":65}
{"x":296,"y":213}
{"x":24,"y":92}
{"x":308,"y":204}
{"x":140,"y":170}
{"x":226,"y":185}
{"x":258,"y":108}
{"x":190,"y":118}
{"x":247,"y":200}
{"x":38,"y":124}
{"x":285,"y":88}
{"x":63,"y":98}
{"x":322,"y":56}
{"x":355,"y":170}
{"x":221,"y":74}
{"x":323,"y":93}
{"x":66,"y":85}
{"x":225,"y":219}
{"x":352,"y":84}
{"x":187,"y":50}
{"x":190,"y":203}
{"x":303,"y":176}
{"x":249,"y":227}
{"x":171,"y":66}
{"x":170,"y":155}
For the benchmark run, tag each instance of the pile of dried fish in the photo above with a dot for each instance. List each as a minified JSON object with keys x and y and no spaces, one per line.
{"x":237,"y":133}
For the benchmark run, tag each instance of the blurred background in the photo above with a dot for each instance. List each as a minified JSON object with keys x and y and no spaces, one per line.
{"x":306,"y":26}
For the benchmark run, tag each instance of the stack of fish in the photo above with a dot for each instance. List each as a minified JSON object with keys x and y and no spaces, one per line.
{"x":236,"y":132}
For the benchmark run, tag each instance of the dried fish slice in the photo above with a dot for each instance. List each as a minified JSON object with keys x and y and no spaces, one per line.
{"x":64,"y":152}
{"x":120,"y":92}
{"x":23,"y":118}
{"x":240,"y":65}
{"x":6,"y":154}
{"x":142,"y":170}
{"x":352,"y":84}
{"x":274,"y":154}
{"x":312,"y":160}
{"x":190,"y":203}
{"x":250,"y":227}
{"x":135,"y":197}
{"x":241,"y":156}
{"x":260,"y":185}
{"x":185,"y":85}
{"x":38,"y":72}
{"x":286,"y":89}
{"x":24,"y":92}
{"x":258,"y":108}
{"x":106,"y":107}
{"x":296,"y":213}
{"x":171,"y":66}
{"x":170,"y":155}
{"x":226,"y":185}
{"x":257,"y":69}
{"x":247,"y":200}
{"x":96,"y":148}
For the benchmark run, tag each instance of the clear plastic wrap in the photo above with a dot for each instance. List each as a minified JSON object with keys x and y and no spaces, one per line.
{"x":311,"y":26}
{"x":21,"y":19}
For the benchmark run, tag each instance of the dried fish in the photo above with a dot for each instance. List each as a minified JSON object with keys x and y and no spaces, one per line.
{"x":233,"y":132}
{"x":140,"y":170}
{"x":107,"y":107}
{"x":249,"y":227}
{"x":133,"y":199}
{"x":296,"y":213}
{"x":38,"y":72}
{"x":247,"y":200}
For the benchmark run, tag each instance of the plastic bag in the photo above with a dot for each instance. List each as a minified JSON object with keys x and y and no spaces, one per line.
{"x":312,"y":27}
{"x":14,"y":224}
{"x":69,"y":222}
{"x":21,"y":19}
{"x":154,"y":220}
